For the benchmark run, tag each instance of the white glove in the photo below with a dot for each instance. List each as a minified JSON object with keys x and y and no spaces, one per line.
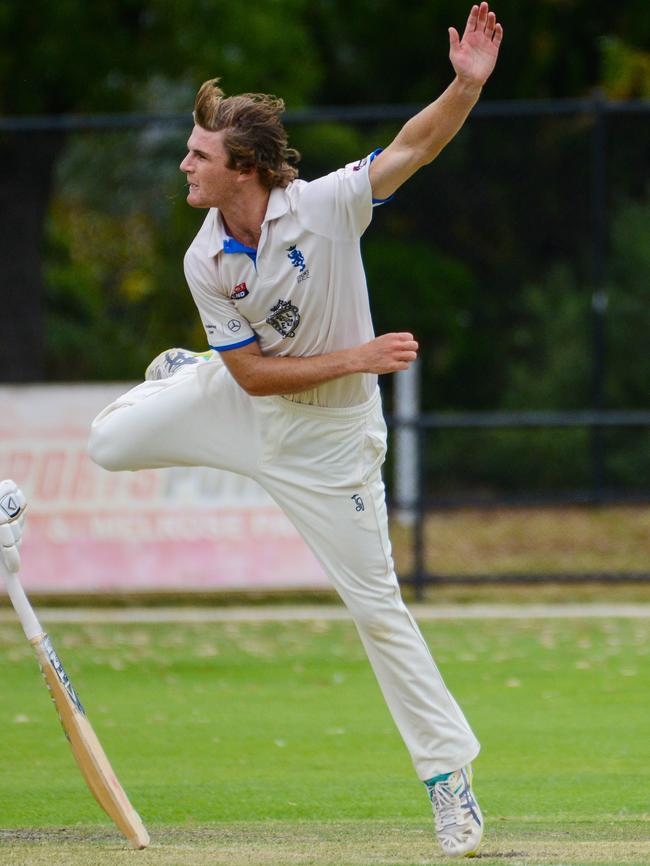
{"x":12,"y":518}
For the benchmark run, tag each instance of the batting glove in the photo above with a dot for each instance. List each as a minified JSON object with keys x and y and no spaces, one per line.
{"x":12,"y":519}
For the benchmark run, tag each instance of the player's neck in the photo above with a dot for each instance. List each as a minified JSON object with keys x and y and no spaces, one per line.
{"x":243,"y":217}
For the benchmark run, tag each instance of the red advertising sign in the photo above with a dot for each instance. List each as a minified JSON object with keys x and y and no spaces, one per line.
{"x":178,"y":529}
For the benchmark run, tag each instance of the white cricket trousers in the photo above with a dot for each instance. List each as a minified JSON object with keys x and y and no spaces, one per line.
{"x":322,"y":467}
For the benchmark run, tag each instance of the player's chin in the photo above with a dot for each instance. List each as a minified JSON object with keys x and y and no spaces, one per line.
{"x":194,"y":197}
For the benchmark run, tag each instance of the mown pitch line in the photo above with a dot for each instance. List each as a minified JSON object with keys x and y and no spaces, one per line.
{"x":290,"y":613}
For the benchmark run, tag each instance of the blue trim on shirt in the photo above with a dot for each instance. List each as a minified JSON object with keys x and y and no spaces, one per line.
{"x":234,"y":345}
{"x":390,"y":197}
{"x":230,"y":245}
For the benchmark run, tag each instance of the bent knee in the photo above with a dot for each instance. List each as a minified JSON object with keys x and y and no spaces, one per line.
{"x":107,"y":451}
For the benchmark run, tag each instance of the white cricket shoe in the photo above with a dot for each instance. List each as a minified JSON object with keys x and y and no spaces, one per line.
{"x":171,"y":360}
{"x":459,"y":823}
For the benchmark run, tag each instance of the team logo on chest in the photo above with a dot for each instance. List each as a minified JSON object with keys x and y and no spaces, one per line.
{"x":284,"y":317}
{"x":297,"y":259}
{"x":240,"y":291}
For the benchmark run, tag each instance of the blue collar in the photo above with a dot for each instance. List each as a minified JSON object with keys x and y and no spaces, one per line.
{"x":230,"y":245}
{"x":278,"y":205}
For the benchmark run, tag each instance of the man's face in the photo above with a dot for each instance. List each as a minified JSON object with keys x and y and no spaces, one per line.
{"x":211,"y":182}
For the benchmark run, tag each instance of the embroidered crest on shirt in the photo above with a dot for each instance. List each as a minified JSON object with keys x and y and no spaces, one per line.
{"x":284,"y":317}
{"x":297,"y":259}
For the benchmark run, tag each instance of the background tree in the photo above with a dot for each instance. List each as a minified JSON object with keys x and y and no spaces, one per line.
{"x":79,"y":57}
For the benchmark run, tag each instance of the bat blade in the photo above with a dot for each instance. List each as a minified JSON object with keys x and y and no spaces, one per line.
{"x":86,"y":748}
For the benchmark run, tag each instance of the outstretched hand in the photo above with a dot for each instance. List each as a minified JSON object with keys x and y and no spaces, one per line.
{"x":475,"y":55}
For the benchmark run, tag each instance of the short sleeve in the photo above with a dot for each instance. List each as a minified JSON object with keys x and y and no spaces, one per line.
{"x":225,"y":327}
{"x":338,"y":205}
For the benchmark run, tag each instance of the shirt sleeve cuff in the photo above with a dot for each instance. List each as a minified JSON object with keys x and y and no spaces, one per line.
{"x":234,"y":345}
{"x":376,"y":201}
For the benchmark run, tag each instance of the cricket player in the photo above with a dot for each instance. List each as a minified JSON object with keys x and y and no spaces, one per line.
{"x":287,"y":393}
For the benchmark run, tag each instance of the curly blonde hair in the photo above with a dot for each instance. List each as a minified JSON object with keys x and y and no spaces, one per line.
{"x":254,"y":136}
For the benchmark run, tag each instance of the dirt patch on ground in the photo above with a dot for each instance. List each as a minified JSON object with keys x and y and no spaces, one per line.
{"x":359,"y":843}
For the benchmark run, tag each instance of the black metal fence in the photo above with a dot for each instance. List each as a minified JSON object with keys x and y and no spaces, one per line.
{"x":529,"y":190}
{"x":549,"y":174}
{"x":425,"y":500}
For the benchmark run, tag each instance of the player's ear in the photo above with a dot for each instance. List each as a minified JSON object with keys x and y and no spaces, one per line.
{"x":246,"y":174}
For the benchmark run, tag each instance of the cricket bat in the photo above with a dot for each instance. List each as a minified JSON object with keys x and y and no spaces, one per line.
{"x":86,"y":748}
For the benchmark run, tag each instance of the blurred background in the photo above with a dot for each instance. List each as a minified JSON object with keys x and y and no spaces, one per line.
{"x":520,"y":257}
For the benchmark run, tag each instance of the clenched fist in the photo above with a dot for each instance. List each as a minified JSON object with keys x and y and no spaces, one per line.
{"x":389,"y":353}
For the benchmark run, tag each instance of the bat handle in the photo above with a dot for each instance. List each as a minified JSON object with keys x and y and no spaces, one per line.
{"x":31,"y":625}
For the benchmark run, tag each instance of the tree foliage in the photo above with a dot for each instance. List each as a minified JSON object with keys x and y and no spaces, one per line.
{"x":76,"y":56}
{"x":73,"y":55}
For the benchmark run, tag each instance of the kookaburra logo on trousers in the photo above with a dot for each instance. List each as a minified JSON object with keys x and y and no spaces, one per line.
{"x":284,"y":317}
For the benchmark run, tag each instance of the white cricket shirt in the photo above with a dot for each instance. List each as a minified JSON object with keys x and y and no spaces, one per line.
{"x":303,"y":291}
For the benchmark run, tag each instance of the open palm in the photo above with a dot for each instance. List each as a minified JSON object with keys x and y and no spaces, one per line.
{"x":475,"y":55}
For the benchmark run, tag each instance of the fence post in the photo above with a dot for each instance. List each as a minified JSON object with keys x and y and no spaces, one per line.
{"x":406,"y":397}
{"x":599,"y":299}
{"x":419,"y":564}
{"x":407,"y":478}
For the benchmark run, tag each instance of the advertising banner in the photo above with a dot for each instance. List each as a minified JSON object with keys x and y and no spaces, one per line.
{"x":177,"y":529}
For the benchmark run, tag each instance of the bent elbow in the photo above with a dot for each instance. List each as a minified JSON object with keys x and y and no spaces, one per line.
{"x":256,"y":389}
{"x":252,"y":386}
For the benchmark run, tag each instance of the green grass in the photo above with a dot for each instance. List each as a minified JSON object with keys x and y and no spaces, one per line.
{"x":269,"y":743}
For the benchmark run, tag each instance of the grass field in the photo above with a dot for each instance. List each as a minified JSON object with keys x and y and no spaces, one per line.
{"x":268,"y":743}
